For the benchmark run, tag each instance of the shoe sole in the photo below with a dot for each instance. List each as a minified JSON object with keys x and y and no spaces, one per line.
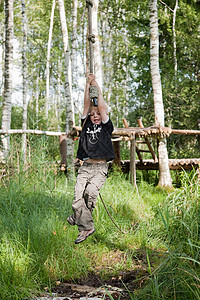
{"x":77,"y":242}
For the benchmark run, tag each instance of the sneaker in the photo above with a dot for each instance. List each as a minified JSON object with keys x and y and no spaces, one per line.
{"x":71,"y":220}
{"x":83,"y":235}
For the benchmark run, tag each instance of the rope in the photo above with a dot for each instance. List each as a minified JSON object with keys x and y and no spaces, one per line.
{"x":110,"y":215}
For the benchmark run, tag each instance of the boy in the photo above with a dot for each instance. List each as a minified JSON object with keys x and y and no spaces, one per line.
{"x":95,"y":149}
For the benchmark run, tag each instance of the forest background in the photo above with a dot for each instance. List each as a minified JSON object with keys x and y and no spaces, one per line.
{"x":125,"y":45}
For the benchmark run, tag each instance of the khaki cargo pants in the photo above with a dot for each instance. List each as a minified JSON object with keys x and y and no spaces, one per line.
{"x":90,"y":179}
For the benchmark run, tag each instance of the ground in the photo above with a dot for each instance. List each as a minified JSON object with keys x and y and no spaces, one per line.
{"x":94,"y":287}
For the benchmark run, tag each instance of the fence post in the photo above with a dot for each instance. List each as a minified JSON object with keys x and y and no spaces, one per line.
{"x":132,"y":161}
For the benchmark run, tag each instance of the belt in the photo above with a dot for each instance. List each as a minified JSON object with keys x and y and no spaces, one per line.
{"x":94,"y":164}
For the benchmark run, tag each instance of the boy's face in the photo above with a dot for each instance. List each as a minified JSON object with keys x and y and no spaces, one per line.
{"x":95,"y":116}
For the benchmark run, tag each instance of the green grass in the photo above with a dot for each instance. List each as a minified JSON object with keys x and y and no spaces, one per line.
{"x":161,"y":243}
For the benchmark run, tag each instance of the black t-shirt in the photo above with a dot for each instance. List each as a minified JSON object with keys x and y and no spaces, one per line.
{"x":95,"y":141}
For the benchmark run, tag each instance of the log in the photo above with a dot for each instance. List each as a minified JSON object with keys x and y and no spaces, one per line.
{"x":116,"y":146}
{"x":63,"y":149}
{"x":121,"y":138}
{"x":125,"y":123}
{"x":148,"y":142}
{"x":126,"y":132}
{"x":185,"y":131}
{"x":32,"y":131}
{"x":132,"y":162}
{"x":135,"y":147}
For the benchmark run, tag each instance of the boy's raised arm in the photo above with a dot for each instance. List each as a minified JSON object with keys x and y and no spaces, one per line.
{"x":90,"y":78}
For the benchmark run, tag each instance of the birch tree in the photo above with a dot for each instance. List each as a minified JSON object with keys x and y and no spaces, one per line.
{"x":24,"y":83}
{"x":174,"y":39}
{"x":37,"y":101}
{"x":59,"y":92}
{"x":69,"y":104}
{"x":74,"y":42}
{"x":96,"y":45}
{"x":164,"y":172}
{"x":48,"y":58}
{"x":8,"y":67}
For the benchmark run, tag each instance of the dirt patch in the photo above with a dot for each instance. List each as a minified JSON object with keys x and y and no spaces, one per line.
{"x":118,"y":286}
{"x":95,"y":287}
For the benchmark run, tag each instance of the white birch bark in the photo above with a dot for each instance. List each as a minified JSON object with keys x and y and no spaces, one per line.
{"x":69,"y":103}
{"x":24,"y":80}
{"x":37,"y":101}
{"x":8,"y":65}
{"x":164,"y":172}
{"x":96,"y":45}
{"x":48,"y":58}
{"x":3,"y":55}
{"x":59,"y":92}
{"x":174,"y":39}
{"x":74,"y":42}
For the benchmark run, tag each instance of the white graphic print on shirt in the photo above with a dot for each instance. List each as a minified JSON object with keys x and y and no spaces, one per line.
{"x":93,"y":136}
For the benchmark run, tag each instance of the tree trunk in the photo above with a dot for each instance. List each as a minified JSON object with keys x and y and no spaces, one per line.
{"x":164,"y":172}
{"x":96,"y":45}
{"x":74,"y":54}
{"x":69,"y":103}
{"x":74,"y":43}
{"x":59,"y":92}
{"x":174,"y":39}
{"x":48,"y":58}
{"x":2,"y":24}
{"x":7,"y":97}
{"x":37,"y":101}
{"x":24,"y":81}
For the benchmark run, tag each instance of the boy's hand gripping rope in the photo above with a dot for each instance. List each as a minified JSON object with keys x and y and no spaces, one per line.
{"x":94,"y":93}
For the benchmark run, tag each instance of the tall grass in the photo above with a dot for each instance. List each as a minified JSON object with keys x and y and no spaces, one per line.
{"x":178,"y":275}
{"x":37,"y":245}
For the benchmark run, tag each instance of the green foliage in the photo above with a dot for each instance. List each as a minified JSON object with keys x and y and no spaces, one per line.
{"x":37,"y":245}
{"x":16,"y":121}
{"x":178,"y":274}
{"x":125,"y":44}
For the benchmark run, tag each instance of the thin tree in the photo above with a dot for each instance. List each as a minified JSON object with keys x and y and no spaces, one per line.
{"x":37,"y":101}
{"x":74,"y":42}
{"x":59,"y":92}
{"x":164,"y":172}
{"x":69,"y":103}
{"x":96,"y":46}
{"x":174,"y":39}
{"x":24,"y":80}
{"x":48,"y":58}
{"x":8,"y":67}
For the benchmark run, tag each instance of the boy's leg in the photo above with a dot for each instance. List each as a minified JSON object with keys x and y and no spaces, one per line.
{"x":82,"y":216}
{"x":94,"y":185}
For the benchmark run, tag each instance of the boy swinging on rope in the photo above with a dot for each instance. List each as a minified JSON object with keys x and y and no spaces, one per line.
{"x":95,"y":150}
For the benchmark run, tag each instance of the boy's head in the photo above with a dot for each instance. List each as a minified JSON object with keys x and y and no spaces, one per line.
{"x":95,"y":116}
